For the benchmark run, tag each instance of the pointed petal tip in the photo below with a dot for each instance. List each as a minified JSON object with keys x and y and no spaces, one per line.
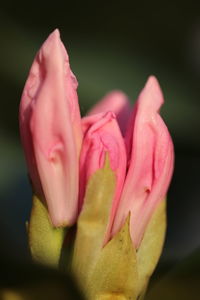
{"x":55,"y":34}
{"x":52,"y":51}
{"x":53,"y":39}
{"x":152,"y":79}
{"x":56,"y":31}
{"x":153,"y":85}
{"x":152,"y":95}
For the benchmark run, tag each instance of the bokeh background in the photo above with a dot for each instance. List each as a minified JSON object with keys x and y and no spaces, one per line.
{"x":112,"y":45}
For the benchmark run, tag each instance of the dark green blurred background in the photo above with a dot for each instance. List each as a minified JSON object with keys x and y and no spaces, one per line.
{"x":112,"y":45}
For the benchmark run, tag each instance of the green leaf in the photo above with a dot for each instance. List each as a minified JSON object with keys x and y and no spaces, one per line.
{"x":115,"y":274}
{"x":151,"y":246}
{"x":45,"y":241}
{"x":93,"y":222}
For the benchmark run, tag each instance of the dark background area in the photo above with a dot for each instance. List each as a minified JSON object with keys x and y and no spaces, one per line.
{"x":112,"y":45}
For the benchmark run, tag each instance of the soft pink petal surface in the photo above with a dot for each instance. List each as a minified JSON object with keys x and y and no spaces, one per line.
{"x":117,"y":102}
{"x":51,"y":131}
{"x":102,"y":136}
{"x":150,"y":163}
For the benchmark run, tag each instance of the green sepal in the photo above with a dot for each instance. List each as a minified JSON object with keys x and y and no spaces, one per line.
{"x":45,"y":241}
{"x":92,"y":222}
{"x":115,"y":274}
{"x":151,"y":246}
{"x":116,"y":270}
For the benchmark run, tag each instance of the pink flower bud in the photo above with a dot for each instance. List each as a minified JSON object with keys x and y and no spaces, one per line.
{"x":102,"y":136}
{"x":150,"y":163}
{"x":51,"y":131}
{"x":117,"y":102}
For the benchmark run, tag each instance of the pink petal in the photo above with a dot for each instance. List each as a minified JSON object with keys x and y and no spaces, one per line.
{"x":151,"y":162}
{"x":51,"y":131}
{"x":102,"y":135}
{"x":118,"y":103}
